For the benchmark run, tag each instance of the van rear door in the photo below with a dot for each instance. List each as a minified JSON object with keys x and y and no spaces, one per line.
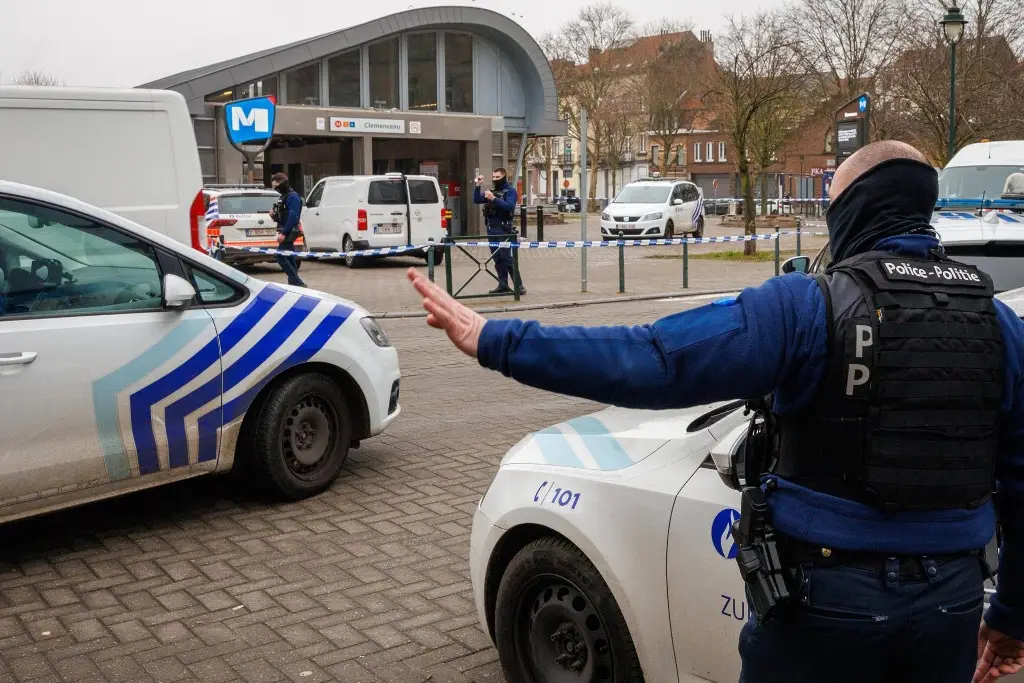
{"x":426,"y":210}
{"x":387,"y":209}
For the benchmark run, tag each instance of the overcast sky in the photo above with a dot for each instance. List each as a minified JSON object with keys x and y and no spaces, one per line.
{"x":124,"y":43}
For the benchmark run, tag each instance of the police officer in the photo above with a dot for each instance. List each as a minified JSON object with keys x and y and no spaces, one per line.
{"x":499,"y":213}
{"x":897,"y":383}
{"x":287,"y":212}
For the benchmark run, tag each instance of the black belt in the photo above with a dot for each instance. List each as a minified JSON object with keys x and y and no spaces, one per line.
{"x":794,"y":552}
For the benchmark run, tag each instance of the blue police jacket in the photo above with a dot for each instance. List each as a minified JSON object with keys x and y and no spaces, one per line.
{"x":293,"y":202}
{"x":505,"y":206}
{"x":773,"y":338}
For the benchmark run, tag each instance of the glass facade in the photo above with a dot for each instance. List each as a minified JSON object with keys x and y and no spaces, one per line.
{"x":302,"y":85}
{"x":264,"y":87}
{"x":423,"y":71}
{"x":458,"y":72}
{"x":343,"y":80}
{"x":384,"y":82}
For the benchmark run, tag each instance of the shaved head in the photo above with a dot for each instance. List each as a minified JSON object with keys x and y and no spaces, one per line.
{"x":866,"y":158}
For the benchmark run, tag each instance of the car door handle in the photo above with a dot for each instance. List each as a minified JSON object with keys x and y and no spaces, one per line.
{"x":23,"y":358}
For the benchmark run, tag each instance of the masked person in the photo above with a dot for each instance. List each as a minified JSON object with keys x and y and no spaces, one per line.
{"x":897,"y":384}
{"x":499,"y":212}
{"x":287,"y":213}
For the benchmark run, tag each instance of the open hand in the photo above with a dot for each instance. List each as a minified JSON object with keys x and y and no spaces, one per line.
{"x":998,"y":655}
{"x":462,"y":325}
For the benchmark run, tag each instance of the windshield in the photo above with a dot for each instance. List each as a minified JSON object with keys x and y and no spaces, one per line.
{"x":974,"y":182}
{"x":643,"y":194}
{"x":1002,"y":261}
{"x":246,"y":203}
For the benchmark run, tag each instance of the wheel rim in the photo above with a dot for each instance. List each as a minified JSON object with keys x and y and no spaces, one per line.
{"x":560,"y":635}
{"x":347,"y":245}
{"x":309,"y":436}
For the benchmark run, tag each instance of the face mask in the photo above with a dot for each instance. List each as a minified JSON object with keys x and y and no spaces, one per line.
{"x":499,"y":183}
{"x":283,"y":188}
{"x":896,"y":197}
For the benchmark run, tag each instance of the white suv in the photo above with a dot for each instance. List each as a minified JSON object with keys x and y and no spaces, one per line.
{"x":346,"y":213}
{"x":655,"y":208}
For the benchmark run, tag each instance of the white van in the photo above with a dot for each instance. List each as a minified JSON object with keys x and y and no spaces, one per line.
{"x":132,"y":152}
{"x":980,"y":170}
{"x":352,"y":213}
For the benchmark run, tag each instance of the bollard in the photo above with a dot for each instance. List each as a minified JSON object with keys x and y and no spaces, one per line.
{"x":686,"y":263}
{"x":540,"y":223}
{"x":430,"y":259}
{"x":798,"y":222}
{"x":448,"y":265}
{"x":622,"y":265}
{"x":776,"y":251}
{"x":517,"y":281}
{"x":522,"y":219}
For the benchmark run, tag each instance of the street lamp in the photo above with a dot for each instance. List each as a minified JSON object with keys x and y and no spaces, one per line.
{"x":953,"y":28}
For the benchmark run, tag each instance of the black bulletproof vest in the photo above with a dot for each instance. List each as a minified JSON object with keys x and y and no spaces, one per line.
{"x":907,"y":416}
{"x":494,"y":214}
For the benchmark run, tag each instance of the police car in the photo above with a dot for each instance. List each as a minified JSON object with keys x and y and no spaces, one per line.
{"x":602,"y":550}
{"x":240,"y":216}
{"x":655,"y":207}
{"x":128,"y":360}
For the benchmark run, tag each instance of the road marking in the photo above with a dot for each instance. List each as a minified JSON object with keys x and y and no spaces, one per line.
{"x":697,"y":297}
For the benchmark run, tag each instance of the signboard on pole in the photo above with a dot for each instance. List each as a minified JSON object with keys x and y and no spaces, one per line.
{"x":249,"y":125}
{"x":852,"y":125}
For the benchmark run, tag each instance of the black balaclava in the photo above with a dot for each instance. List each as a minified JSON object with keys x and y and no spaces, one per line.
{"x":284,"y":188}
{"x":896,"y":197}
{"x":498,"y":184}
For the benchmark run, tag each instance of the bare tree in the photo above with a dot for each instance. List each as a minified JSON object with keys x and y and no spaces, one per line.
{"x":759,"y":67}
{"x":582,"y":57}
{"x":35,"y":77}
{"x":774,"y":124}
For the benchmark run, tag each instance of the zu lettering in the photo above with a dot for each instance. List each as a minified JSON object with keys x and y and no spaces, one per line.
{"x":857,"y":374}
{"x":737,"y":609}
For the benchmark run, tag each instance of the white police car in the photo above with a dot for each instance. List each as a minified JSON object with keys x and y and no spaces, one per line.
{"x":602,"y":551}
{"x":128,"y":359}
{"x":655,"y":207}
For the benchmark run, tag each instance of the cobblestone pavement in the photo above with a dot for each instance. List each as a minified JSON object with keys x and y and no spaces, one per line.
{"x":553,"y":275}
{"x":366,"y":583}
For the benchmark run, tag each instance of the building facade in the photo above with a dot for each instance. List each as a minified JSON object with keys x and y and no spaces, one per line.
{"x":443,"y":91}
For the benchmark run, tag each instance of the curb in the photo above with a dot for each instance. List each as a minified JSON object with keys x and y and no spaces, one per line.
{"x":567,"y":304}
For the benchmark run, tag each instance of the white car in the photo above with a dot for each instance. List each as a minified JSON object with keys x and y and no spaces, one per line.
{"x":355,"y":213}
{"x":661,"y":208}
{"x":239,"y":216}
{"x":602,"y":550}
{"x":129,"y":359}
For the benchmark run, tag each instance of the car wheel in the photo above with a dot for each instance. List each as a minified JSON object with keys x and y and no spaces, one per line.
{"x":348,"y":246}
{"x":556,"y":620}
{"x":438,"y":256}
{"x":301,"y":437}
{"x":670,"y":230}
{"x":698,"y":232}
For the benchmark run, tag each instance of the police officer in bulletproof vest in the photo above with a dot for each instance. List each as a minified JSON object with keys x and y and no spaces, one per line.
{"x":499,"y":217}
{"x":286,"y":213}
{"x":893,"y":407}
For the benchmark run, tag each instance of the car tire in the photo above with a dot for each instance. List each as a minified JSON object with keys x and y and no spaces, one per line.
{"x":348,"y":245}
{"x":438,"y":256}
{"x":698,"y":232}
{"x":300,"y":437}
{"x":556,"y":617}
{"x":670,"y":229}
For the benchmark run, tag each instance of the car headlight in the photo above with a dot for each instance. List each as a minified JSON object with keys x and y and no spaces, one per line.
{"x":652,"y":217}
{"x":605,"y":217}
{"x":374,"y":330}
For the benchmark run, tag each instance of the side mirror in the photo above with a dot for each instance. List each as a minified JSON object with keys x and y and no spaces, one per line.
{"x":677,"y":202}
{"x":178,"y":293}
{"x":797,"y":264}
{"x":728,"y":456}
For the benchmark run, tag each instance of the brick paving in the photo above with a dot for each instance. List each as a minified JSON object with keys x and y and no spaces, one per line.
{"x":367,"y":583}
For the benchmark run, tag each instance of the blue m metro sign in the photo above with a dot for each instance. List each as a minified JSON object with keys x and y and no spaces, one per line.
{"x":250,"y":121}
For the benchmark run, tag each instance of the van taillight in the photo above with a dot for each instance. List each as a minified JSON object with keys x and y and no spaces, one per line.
{"x":195,"y":212}
{"x":361,"y":222}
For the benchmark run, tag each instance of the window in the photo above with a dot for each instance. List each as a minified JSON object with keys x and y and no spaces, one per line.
{"x":677,"y":193}
{"x":265,"y":87}
{"x":384,"y":74}
{"x":211,"y":289}
{"x":54,"y":263}
{"x":681,"y":155}
{"x":423,"y":71}
{"x":387,"y":192}
{"x":245,"y":203}
{"x":423,"y":192}
{"x":314,"y":197}
{"x":642,"y":143}
{"x":302,"y":85}
{"x":711,"y":151}
{"x":721,"y":151}
{"x":696,"y":153}
{"x":343,"y":80}
{"x":654,"y":154}
{"x":458,"y":72}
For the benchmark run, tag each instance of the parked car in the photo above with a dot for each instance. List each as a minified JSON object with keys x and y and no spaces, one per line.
{"x":239,"y":216}
{"x":662,"y":207}
{"x":354,"y":213}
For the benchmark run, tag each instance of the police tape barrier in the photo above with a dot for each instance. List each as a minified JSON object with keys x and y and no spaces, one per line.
{"x":568,"y":244}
